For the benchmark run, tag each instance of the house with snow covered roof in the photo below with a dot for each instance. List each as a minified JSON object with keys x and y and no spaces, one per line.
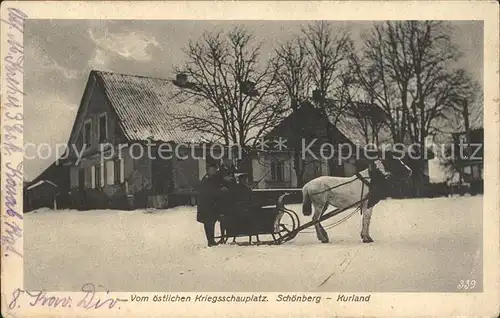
{"x":49,"y":189}
{"x":327,"y":144}
{"x":470,"y":135}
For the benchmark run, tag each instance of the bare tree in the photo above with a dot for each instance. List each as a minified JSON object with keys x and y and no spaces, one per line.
{"x":236,"y":95}
{"x":380,"y":81}
{"x":315,"y":58}
{"x":356,"y":105}
{"x":328,"y":56}
{"x":407,"y":67}
{"x":292,"y":67}
{"x":450,"y":157}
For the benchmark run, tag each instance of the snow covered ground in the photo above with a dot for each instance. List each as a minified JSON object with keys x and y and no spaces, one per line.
{"x":421,"y":245}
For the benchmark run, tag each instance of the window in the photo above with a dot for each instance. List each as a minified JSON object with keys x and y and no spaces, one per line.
{"x":114,"y":171}
{"x":317,"y":168}
{"x":277,"y":170}
{"x":79,"y":142}
{"x":99,"y":180}
{"x":119,"y":170}
{"x":102,"y":131}
{"x":110,"y":172}
{"x":87,"y":133}
{"x":475,"y":172}
{"x":82,"y":179}
{"x":211,"y":161}
{"x":467,"y":170}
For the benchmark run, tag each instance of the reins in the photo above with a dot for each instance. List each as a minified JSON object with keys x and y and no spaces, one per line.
{"x":257,"y":183}
{"x":347,"y":217}
{"x":364,"y":182}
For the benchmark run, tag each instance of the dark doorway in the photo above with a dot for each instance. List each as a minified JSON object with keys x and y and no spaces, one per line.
{"x":161,"y":173}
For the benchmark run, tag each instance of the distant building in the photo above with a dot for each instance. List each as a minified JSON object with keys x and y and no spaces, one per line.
{"x":129,"y":114}
{"x":41,"y":194}
{"x":50,"y":189}
{"x":275,"y":168}
{"x":469,"y":157}
{"x":308,"y":128}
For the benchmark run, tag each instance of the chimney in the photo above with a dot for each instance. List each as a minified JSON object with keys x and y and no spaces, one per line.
{"x":248,"y":88}
{"x":181,"y":80}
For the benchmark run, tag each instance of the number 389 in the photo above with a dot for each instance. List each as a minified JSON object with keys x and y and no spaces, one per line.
{"x":468,"y":284}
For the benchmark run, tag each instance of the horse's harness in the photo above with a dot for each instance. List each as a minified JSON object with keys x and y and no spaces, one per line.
{"x":364,"y":182}
{"x":363,"y":179}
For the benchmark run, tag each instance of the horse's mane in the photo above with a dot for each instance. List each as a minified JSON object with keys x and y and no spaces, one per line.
{"x":375,"y":169}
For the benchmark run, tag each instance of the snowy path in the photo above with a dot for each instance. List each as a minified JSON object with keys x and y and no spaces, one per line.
{"x":420,"y":245}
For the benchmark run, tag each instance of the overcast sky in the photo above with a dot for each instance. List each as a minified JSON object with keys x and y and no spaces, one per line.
{"x":61,"y":53}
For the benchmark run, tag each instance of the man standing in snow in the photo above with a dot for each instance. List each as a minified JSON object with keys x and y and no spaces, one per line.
{"x":207,"y":211}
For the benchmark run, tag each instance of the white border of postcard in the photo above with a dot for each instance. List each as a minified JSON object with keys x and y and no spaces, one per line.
{"x":387,"y":304}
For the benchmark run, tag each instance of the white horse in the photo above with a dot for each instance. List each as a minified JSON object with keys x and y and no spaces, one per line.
{"x":343,"y":192}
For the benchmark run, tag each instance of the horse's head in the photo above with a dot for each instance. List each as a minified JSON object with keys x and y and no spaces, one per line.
{"x":229,"y":179}
{"x":392,"y":167}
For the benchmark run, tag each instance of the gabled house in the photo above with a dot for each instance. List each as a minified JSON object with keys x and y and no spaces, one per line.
{"x":469,"y":157}
{"x":327,"y":145}
{"x":50,"y":189}
{"x":41,"y":194}
{"x":468,"y":144}
{"x":114,"y":158}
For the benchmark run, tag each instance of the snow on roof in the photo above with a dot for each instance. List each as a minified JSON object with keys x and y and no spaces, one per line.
{"x":39,"y":183}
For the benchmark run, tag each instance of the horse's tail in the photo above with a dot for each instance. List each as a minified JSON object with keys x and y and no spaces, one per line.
{"x":306,"y":203}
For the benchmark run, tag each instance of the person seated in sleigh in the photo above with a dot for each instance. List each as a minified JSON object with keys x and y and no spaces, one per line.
{"x":210,"y":194}
{"x":243,"y":200}
{"x":237,"y":200}
{"x":236,"y":192}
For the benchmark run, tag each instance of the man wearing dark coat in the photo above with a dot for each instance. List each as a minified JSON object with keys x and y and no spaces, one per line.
{"x":208,"y":213}
{"x":226,"y":172}
{"x":382,"y":188}
{"x":241,"y":192}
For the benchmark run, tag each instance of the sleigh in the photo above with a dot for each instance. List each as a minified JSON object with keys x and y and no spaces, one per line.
{"x":278,"y":222}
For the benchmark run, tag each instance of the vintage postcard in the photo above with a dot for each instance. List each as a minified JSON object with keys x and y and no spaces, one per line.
{"x":192,"y":159}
